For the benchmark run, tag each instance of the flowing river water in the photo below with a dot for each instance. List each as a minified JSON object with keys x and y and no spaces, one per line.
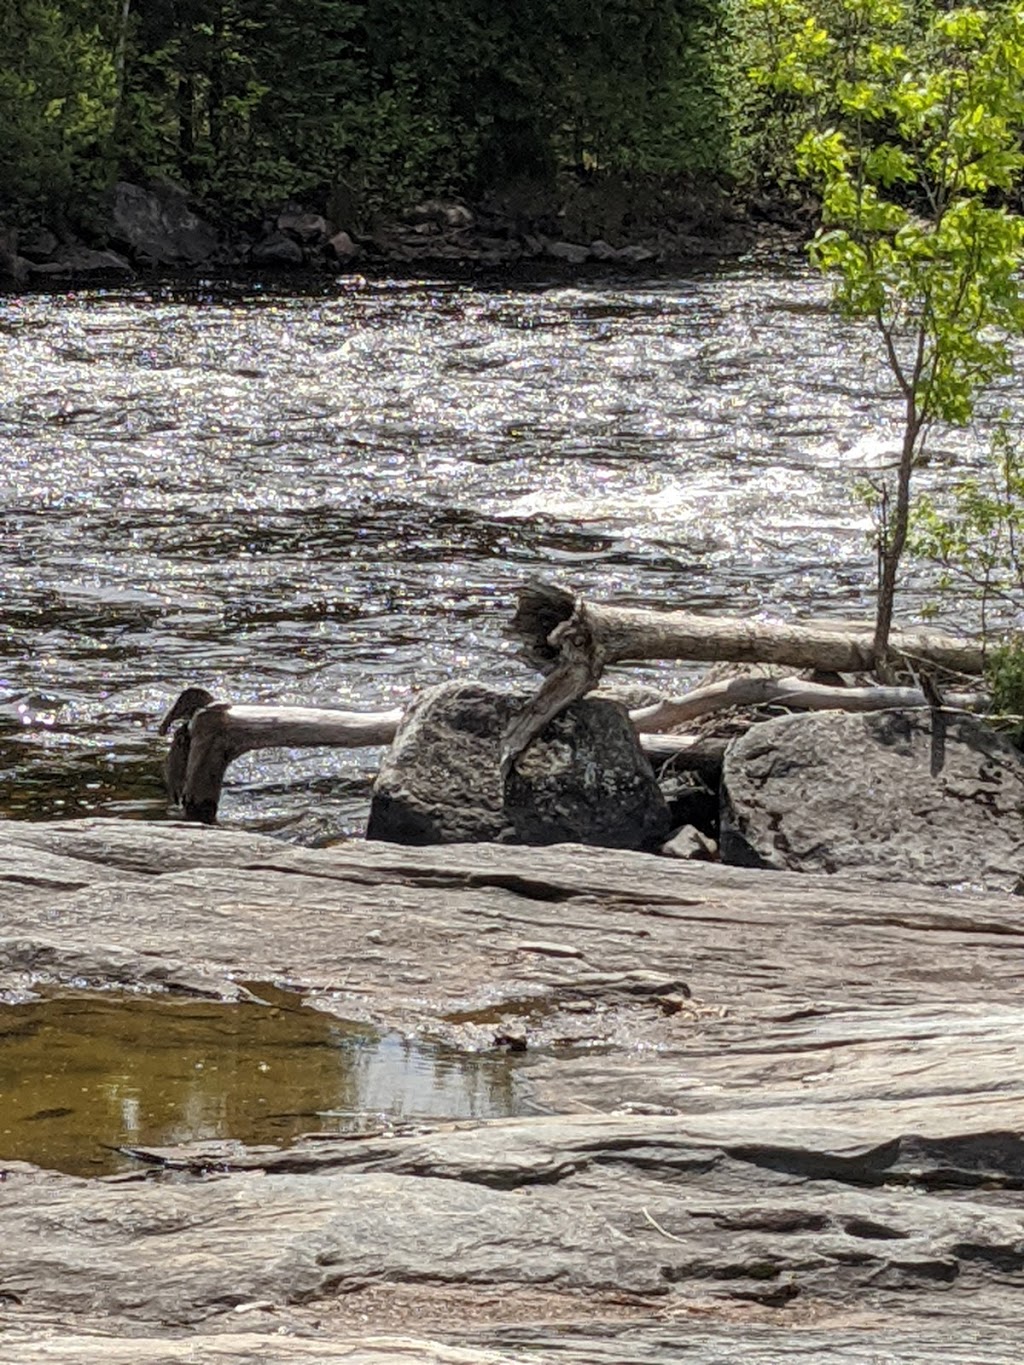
{"x":329,"y":496}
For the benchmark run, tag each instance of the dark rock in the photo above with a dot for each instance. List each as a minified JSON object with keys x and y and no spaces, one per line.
{"x":921,"y":795}
{"x":73,"y":262}
{"x":310,"y":229}
{"x":157,"y":226}
{"x":277,"y":249}
{"x":585,"y":779}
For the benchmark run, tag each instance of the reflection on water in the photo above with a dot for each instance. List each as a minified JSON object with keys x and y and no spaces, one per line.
{"x":331,"y":497}
{"x":83,"y":1074}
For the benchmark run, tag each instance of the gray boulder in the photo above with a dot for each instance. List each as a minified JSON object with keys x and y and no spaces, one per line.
{"x":921,"y":795}
{"x":157,"y":226}
{"x":278,"y":250}
{"x":585,"y":779}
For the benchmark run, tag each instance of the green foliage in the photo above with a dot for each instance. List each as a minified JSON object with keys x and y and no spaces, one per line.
{"x":976,"y":540}
{"x":250,"y":102}
{"x":911,"y":121}
{"x":58,"y":93}
{"x":1004,"y":675}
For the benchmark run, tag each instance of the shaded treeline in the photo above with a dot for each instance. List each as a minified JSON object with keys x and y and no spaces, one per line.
{"x":354,"y":105}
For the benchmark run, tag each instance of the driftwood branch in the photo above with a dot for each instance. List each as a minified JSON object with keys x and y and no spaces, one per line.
{"x":547,"y":618}
{"x":215,"y":733}
{"x":702,"y":754}
{"x":792,"y":692}
{"x":573,"y":641}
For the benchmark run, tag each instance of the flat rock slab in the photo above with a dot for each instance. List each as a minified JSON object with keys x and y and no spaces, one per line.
{"x":789,"y":1127}
{"x":932,"y":797}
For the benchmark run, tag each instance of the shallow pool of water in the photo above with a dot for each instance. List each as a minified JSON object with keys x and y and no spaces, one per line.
{"x":82,"y":1075}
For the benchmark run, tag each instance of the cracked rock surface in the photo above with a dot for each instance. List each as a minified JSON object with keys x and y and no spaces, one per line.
{"x":777,"y":1117}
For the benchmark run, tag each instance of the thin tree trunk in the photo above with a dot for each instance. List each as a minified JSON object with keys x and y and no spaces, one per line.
{"x":894,"y":543}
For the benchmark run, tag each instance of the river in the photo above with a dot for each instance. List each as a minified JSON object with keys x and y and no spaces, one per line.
{"x":328,"y":496}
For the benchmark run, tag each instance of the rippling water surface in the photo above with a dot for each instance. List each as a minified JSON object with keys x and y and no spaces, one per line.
{"x":330,"y":498}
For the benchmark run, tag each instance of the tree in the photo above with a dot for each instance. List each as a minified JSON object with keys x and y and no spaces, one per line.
{"x":58,"y":99}
{"x":913,"y":116}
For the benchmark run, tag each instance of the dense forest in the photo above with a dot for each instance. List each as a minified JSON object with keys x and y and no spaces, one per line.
{"x":362,"y":103}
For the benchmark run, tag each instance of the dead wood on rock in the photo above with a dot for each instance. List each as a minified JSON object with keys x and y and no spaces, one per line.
{"x":795,"y":693}
{"x":215,"y":733}
{"x":572,"y":641}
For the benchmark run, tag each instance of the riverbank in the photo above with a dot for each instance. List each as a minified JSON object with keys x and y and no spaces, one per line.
{"x":743,"y":1147}
{"x":155,"y":227}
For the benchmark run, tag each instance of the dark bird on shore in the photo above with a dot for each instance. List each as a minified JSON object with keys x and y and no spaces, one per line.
{"x":190,"y":701}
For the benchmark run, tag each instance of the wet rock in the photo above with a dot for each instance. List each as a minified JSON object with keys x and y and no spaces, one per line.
{"x":601,"y":250}
{"x":926,"y":796}
{"x":277,"y":250}
{"x":81,"y":262}
{"x":584,"y":780}
{"x":157,"y":226}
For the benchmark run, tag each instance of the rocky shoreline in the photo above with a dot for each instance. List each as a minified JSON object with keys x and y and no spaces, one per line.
{"x":777,"y":1116}
{"x":156,"y":229}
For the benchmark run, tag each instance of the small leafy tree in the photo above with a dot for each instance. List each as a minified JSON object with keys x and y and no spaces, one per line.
{"x":912,"y":117}
{"x":976,"y":541}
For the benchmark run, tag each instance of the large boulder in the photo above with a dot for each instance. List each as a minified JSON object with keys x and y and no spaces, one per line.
{"x":921,"y":795}
{"x":585,"y":779}
{"x":157,"y":226}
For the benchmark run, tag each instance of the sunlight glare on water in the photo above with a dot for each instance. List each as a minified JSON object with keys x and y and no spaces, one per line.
{"x":330,"y":497}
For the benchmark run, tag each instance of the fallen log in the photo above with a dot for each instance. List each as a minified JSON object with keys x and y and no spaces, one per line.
{"x":215,"y":733}
{"x":795,"y":693}
{"x":573,"y":641}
